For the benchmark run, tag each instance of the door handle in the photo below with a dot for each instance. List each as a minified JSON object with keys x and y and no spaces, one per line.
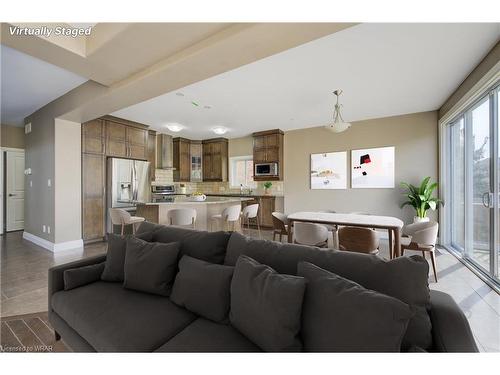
{"x":12,"y":195}
{"x":487,"y":204}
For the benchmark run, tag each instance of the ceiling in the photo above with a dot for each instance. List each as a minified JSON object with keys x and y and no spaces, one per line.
{"x":384,"y":70}
{"x":28,"y":84}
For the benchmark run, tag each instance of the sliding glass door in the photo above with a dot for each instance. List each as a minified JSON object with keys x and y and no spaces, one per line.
{"x":473,"y":198}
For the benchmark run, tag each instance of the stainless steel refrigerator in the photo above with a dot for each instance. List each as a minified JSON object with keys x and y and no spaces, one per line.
{"x":127,"y":184}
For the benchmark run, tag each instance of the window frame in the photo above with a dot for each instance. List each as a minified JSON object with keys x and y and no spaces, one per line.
{"x":232,"y":163}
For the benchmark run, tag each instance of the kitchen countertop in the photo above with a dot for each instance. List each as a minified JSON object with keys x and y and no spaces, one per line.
{"x":253,"y":195}
{"x":209,"y":200}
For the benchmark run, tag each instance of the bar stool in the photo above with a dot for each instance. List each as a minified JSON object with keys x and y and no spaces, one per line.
{"x":251,"y":212}
{"x":231,"y":214}
{"x":182,"y":217}
{"x":121,"y":217}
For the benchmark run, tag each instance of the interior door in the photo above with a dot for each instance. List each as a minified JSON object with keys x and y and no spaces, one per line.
{"x":15,"y":190}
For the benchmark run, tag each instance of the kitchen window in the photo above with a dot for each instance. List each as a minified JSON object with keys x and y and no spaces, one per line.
{"x":241,"y":172}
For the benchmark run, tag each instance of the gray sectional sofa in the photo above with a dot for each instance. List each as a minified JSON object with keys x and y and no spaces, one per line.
{"x":104,"y":316}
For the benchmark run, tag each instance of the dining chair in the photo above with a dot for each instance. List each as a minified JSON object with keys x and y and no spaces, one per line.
{"x":251,"y":212}
{"x":422,"y":237}
{"x":359,"y":240}
{"x":182,"y":217}
{"x":280,"y":225}
{"x":230,"y":215}
{"x":311,"y":234}
{"x":119,"y":216}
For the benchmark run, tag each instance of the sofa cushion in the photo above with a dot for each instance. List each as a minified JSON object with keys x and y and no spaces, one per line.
{"x":340,"y":315}
{"x":404,"y":278}
{"x":207,"y":246}
{"x":75,"y":277}
{"x":114,"y":319}
{"x":203,"y":288}
{"x":150,"y":266}
{"x":266,"y":306}
{"x":207,"y":336}
{"x":115,"y":256}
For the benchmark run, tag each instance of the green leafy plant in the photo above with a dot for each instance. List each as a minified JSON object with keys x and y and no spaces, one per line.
{"x":268,"y":184}
{"x":420,"y":197}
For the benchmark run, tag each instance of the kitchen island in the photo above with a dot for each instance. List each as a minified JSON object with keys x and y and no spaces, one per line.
{"x":156,"y":211}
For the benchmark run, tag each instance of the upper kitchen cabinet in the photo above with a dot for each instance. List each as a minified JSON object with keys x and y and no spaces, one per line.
{"x":151,"y":153}
{"x":93,"y":136}
{"x":268,"y":148}
{"x":196,"y":158}
{"x":182,"y":159}
{"x":126,"y":139}
{"x":215,"y":159}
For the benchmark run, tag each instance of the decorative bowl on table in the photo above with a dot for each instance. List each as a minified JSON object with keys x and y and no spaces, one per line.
{"x":198,"y":197}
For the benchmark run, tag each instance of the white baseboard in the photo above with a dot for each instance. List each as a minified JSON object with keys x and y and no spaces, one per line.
{"x":54,"y":247}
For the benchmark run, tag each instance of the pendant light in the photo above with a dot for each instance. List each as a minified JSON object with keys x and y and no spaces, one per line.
{"x":338,"y":125}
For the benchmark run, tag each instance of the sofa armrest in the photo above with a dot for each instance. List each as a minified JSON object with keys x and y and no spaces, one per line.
{"x":56,"y":273}
{"x":450,"y":329}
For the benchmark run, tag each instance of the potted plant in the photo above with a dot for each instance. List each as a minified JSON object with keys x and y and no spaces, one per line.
{"x":421,"y":199}
{"x":267,"y":186}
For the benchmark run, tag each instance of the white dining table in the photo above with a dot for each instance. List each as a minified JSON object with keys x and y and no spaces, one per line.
{"x":393,"y":225}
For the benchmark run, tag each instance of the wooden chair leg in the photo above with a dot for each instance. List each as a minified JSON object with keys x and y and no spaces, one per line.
{"x":423,"y":254}
{"x":402,"y":251}
{"x":123,"y":229}
{"x":133,"y":228}
{"x":391,"y":245}
{"x":433,"y":260}
{"x":258,"y":226}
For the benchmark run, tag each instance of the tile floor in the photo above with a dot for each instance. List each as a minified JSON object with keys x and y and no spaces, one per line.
{"x":24,"y":283}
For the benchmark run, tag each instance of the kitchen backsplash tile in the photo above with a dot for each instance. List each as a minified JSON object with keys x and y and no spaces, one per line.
{"x":166,"y":177}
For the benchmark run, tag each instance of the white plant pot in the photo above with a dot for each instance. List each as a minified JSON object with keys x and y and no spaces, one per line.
{"x":417,"y":219}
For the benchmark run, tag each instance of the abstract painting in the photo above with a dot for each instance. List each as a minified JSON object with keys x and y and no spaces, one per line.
{"x":329,"y":170}
{"x":372,"y":168}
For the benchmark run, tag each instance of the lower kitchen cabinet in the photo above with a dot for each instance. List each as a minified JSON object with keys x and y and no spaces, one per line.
{"x":267,"y":205}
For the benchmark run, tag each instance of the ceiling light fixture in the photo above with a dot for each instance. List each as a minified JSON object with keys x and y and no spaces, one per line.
{"x":174,"y":127}
{"x":220,"y":130}
{"x":338,"y":125}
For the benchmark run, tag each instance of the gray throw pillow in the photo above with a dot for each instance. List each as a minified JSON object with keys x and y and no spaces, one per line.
{"x":340,"y":315}
{"x":115,"y":257}
{"x":266,"y":306}
{"x":150,"y":266}
{"x":203,"y":288}
{"x":75,"y":277}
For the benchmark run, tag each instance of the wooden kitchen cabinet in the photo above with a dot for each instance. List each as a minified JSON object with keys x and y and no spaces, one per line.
{"x":182,"y":159}
{"x":215,"y":159}
{"x":126,"y":139}
{"x":93,"y":196}
{"x":93,"y":136}
{"x":151,"y":153}
{"x":196,"y":154}
{"x":268,"y":148}
{"x":267,"y":205}
{"x":101,"y":138}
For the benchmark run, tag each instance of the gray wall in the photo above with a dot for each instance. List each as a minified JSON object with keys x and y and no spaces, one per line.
{"x":415,"y":137}
{"x":39,"y":156}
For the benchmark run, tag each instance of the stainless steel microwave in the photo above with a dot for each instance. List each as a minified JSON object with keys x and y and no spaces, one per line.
{"x":266,"y":169}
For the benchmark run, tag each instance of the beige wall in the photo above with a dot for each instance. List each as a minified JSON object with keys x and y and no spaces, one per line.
{"x":67,"y":181}
{"x":414,"y":137}
{"x":490,"y":61}
{"x":240,"y":146}
{"x":12,"y":136}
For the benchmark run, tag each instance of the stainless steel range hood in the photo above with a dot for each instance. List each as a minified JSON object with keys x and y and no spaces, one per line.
{"x":164,"y":151}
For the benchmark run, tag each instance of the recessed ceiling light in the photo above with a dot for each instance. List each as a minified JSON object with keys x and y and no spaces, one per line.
{"x":179,"y":94}
{"x":220,"y":130}
{"x":174,"y":127}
